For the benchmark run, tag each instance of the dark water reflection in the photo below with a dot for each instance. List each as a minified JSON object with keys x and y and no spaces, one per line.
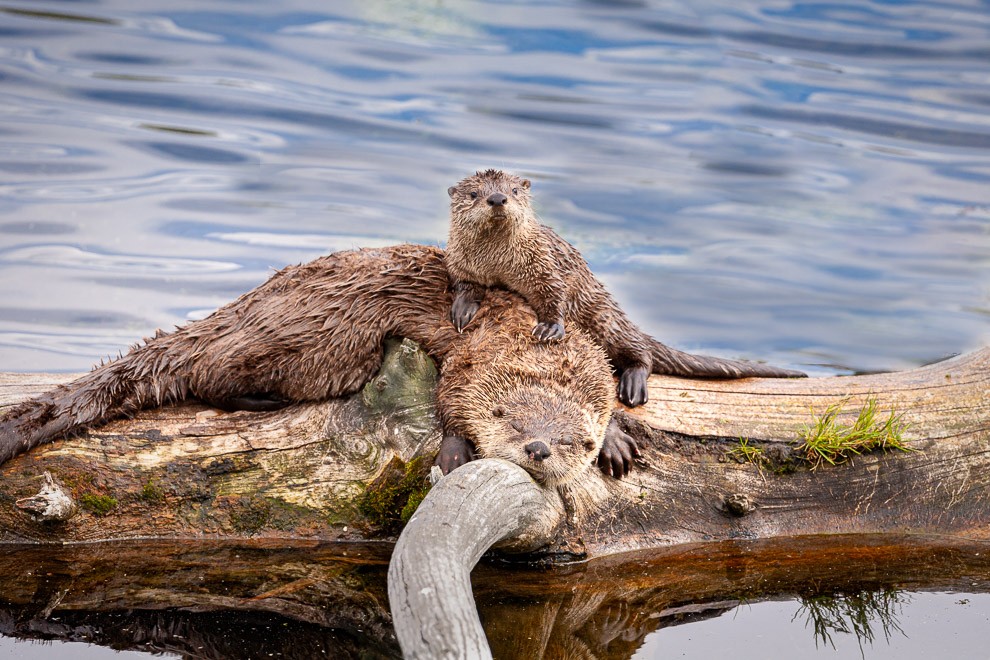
{"x":804,"y":183}
{"x":210,"y":600}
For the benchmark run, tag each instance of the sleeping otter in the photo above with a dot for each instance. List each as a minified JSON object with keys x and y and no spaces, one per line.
{"x":496,"y":240}
{"x":315,"y":331}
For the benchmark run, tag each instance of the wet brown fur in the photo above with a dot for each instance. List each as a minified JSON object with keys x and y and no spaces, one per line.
{"x":504,"y":245}
{"x":501,"y":384}
{"x":315,"y":331}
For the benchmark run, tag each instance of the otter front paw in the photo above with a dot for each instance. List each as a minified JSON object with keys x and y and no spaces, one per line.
{"x":454,"y":452}
{"x":617,"y":452}
{"x":632,"y":386}
{"x":462,"y":310}
{"x":549,"y":331}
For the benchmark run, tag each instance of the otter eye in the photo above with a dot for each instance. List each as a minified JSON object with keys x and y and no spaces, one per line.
{"x":517,"y":425}
{"x":515,"y":191}
{"x":474,"y":194}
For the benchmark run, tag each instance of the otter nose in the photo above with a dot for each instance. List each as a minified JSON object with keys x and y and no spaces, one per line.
{"x":538,"y":450}
{"x":497,"y":199}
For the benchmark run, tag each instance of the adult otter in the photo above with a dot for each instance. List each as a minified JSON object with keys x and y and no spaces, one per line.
{"x":496,"y":240}
{"x":315,"y":331}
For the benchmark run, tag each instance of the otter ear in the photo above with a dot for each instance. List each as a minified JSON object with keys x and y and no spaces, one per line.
{"x":452,"y":190}
{"x":498,"y":411}
{"x":525,"y":184}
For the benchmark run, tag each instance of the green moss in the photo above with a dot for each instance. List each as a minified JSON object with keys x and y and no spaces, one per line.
{"x":98,"y":505}
{"x":415,"y":498}
{"x":152,"y":493}
{"x":390,"y":501}
{"x":252,"y":514}
{"x":826,"y":441}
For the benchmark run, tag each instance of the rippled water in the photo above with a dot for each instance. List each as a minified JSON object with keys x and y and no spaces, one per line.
{"x":800,"y":182}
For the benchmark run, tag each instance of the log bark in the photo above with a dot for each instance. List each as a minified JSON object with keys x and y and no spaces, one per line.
{"x":346,"y":469}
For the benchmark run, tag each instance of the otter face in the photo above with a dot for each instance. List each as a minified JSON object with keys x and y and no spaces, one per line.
{"x":490,"y":195}
{"x":552,"y":438}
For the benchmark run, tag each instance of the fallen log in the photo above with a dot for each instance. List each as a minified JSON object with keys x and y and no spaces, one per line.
{"x":352,"y":469}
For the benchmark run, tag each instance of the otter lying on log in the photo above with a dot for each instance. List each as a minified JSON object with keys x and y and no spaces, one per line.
{"x":315,"y":332}
{"x":496,"y":240}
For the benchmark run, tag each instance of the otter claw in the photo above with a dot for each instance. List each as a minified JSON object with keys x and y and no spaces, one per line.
{"x":462,"y":311}
{"x":549,"y":331}
{"x":618,"y":452}
{"x":632,"y":387}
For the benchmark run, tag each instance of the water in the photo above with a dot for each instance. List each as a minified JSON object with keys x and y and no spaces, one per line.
{"x":799,"y":182}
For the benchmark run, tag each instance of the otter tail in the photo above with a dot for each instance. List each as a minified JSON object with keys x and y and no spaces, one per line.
{"x":117,"y":389}
{"x":672,"y":362}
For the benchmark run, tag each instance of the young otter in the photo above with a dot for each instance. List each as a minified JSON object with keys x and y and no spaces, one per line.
{"x":496,"y":240}
{"x":315,"y":331}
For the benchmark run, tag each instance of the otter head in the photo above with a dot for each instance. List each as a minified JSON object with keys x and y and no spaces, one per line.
{"x":488,"y":198}
{"x":550,"y":436}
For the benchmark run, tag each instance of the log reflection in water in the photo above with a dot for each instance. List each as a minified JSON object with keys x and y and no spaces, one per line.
{"x":223,"y":600}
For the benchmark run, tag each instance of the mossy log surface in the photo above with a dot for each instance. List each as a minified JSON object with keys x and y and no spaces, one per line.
{"x":351,"y":469}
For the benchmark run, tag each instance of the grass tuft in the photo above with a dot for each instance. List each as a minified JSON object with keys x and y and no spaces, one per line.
{"x":747,"y":453}
{"x":827,"y":441}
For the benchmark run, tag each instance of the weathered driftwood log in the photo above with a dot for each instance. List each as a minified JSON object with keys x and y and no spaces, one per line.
{"x":351,"y":469}
{"x":429,"y":578}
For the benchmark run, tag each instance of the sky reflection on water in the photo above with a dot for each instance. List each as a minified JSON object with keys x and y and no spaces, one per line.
{"x":801,"y":183}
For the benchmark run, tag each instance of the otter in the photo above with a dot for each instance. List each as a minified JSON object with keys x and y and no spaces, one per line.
{"x":496,"y":241}
{"x":315,"y":331}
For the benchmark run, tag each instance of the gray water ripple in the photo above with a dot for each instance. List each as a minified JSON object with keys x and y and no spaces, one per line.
{"x":72,"y":257}
{"x":896,"y":131}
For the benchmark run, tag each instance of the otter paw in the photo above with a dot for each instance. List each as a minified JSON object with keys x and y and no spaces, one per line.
{"x":618,"y":451}
{"x":454,"y":452}
{"x":462,"y":311}
{"x":549,"y":331}
{"x":632,"y":386}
